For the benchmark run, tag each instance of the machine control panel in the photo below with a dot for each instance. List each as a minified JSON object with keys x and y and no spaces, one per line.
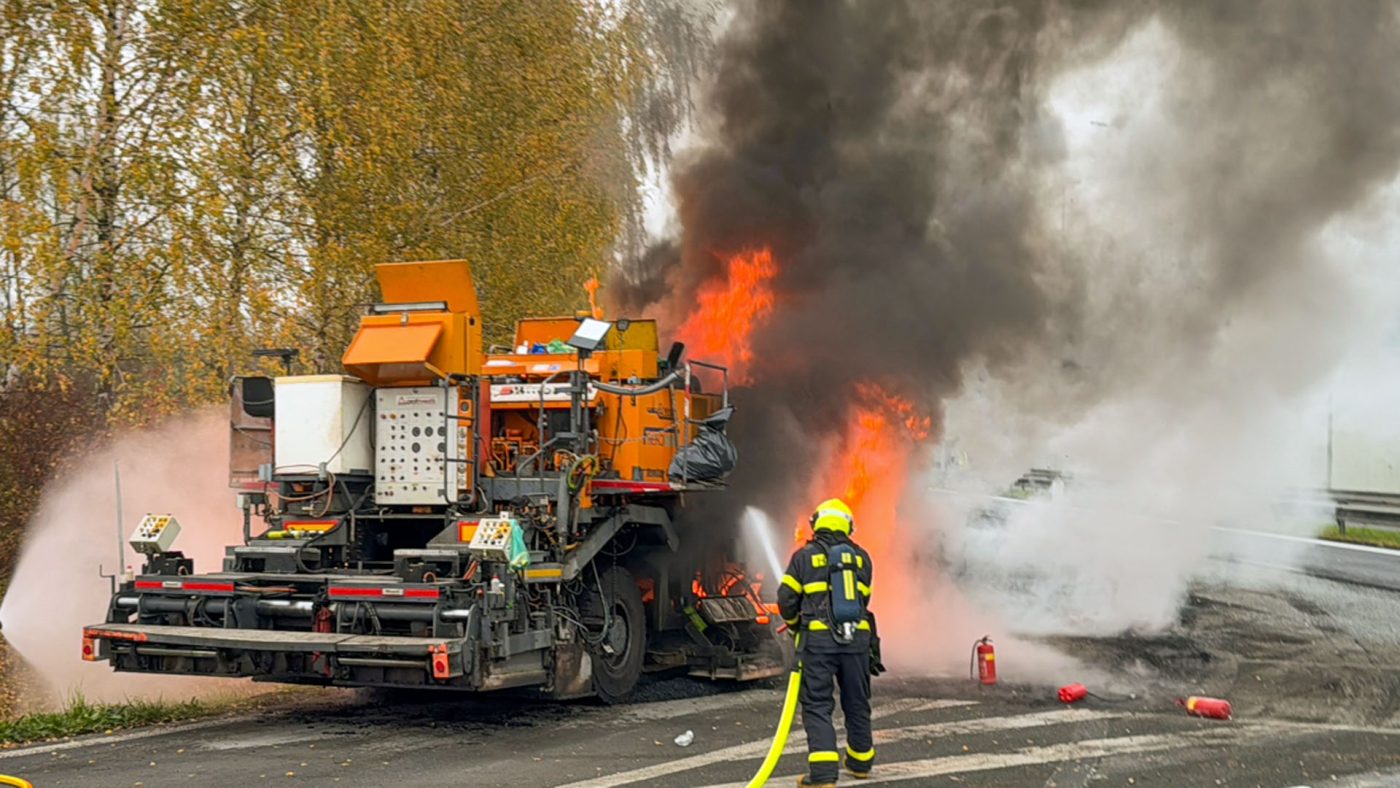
{"x":492,"y":540}
{"x":155,"y":534}
{"x":419,"y":440}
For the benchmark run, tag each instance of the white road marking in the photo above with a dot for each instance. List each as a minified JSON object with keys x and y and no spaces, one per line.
{"x":665,"y":710}
{"x":1316,"y":727}
{"x":1387,"y":778}
{"x":752,"y":749}
{"x":797,"y":742}
{"x":1308,"y":540}
{"x":994,"y":724}
{"x":653,"y":711}
{"x":118,"y":738}
{"x":268,"y":739}
{"x":915,"y":705}
{"x":1327,"y":543}
{"x":1035,"y":756}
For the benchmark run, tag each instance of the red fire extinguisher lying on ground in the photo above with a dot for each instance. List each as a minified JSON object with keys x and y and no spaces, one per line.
{"x":1212,"y":708}
{"x":1073,"y":693}
{"x":984,"y":662}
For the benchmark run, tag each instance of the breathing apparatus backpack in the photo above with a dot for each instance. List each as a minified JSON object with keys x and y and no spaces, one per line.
{"x":846,"y":607}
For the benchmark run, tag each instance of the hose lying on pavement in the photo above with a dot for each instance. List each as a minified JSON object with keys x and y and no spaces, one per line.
{"x":775,"y":750}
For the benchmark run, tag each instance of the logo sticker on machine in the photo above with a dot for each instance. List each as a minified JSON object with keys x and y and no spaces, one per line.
{"x":534,"y":392}
{"x":410,"y":400}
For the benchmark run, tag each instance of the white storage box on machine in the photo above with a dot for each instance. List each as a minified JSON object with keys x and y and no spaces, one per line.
{"x":322,"y":419}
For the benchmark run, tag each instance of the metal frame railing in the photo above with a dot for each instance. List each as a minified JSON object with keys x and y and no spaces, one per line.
{"x":682,"y":438}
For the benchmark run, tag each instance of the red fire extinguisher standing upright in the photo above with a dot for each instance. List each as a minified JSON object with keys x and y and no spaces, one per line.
{"x":984,"y":657}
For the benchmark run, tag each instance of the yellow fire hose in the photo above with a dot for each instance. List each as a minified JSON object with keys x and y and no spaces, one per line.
{"x":6,"y":779}
{"x":775,"y":750}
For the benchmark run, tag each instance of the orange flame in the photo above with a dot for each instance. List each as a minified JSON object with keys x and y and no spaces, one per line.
{"x":870,"y":464}
{"x":917,"y":424}
{"x":720,"y":328}
{"x":592,"y":286}
{"x":735,"y":583}
{"x":869,"y":471}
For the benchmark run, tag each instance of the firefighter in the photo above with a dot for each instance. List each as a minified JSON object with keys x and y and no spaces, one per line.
{"x":824,"y":598}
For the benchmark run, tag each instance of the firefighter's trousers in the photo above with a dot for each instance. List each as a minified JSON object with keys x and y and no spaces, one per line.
{"x":819,"y":673}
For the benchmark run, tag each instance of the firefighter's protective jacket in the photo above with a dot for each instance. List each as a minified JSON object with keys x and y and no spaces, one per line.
{"x":804,"y":598}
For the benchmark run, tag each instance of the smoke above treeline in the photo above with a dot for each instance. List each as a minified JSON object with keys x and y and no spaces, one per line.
{"x":1090,"y":232}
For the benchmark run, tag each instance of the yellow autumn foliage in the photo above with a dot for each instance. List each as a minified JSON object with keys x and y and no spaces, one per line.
{"x":182,"y":181}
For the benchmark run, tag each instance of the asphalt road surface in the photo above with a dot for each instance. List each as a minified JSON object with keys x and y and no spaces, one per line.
{"x":927,"y":732}
{"x":1312,"y":666}
{"x":1349,"y":563}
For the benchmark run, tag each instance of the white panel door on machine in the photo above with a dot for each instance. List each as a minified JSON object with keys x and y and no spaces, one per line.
{"x":417,"y":444}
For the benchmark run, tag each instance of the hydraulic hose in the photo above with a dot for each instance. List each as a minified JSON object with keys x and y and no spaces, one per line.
{"x":636,"y":391}
{"x":775,"y":750}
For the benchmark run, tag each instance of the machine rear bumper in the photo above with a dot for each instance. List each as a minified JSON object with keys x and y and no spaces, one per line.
{"x":265,"y":639}
{"x":320,"y":657}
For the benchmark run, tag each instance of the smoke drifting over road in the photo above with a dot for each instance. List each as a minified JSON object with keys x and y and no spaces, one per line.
{"x":1111,"y":218}
{"x":179,"y":468}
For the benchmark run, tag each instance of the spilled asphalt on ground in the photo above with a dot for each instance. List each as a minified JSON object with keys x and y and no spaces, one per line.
{"x":1312,"y":667}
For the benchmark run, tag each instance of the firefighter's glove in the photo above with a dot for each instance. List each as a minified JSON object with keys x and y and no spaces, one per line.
{"x":876,"y":666}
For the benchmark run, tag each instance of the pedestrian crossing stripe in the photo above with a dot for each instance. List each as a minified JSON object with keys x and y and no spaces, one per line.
{"x":797,"y":742}
{"x":1053,"y":753}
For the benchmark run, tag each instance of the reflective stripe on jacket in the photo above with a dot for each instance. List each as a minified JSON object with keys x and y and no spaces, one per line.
{"x":803,"y":595}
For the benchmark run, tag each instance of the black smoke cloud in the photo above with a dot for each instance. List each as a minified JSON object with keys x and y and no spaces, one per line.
{"x":894,"y":156}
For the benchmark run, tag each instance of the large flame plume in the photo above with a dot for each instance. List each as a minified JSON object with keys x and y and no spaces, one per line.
{"x":868,"y":462}
{"x":869,"y":467}
{"x":728,"y":310}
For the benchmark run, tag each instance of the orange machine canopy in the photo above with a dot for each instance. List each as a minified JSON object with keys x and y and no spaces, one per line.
{"x":436,"y":280}
{"x":419,"y":342}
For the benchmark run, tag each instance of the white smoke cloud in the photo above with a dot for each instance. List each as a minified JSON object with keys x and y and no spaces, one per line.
{"x":1175,"y":409}
{"x":181,"y":468}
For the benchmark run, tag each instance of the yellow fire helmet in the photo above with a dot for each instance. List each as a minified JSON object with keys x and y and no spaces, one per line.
{"x":833,"y":515}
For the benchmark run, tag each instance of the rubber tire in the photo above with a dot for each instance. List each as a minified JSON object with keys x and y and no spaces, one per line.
{"x":614,"y":678}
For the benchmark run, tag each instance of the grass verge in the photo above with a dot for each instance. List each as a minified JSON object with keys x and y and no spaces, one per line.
{"x":79,"y":717}
{"x":1375,"y":537}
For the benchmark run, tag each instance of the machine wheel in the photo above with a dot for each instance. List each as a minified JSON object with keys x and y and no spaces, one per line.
{"x":617,"y":621}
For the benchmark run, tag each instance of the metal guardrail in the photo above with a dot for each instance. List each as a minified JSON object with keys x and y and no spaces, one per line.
{"x":1371,"y":509}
